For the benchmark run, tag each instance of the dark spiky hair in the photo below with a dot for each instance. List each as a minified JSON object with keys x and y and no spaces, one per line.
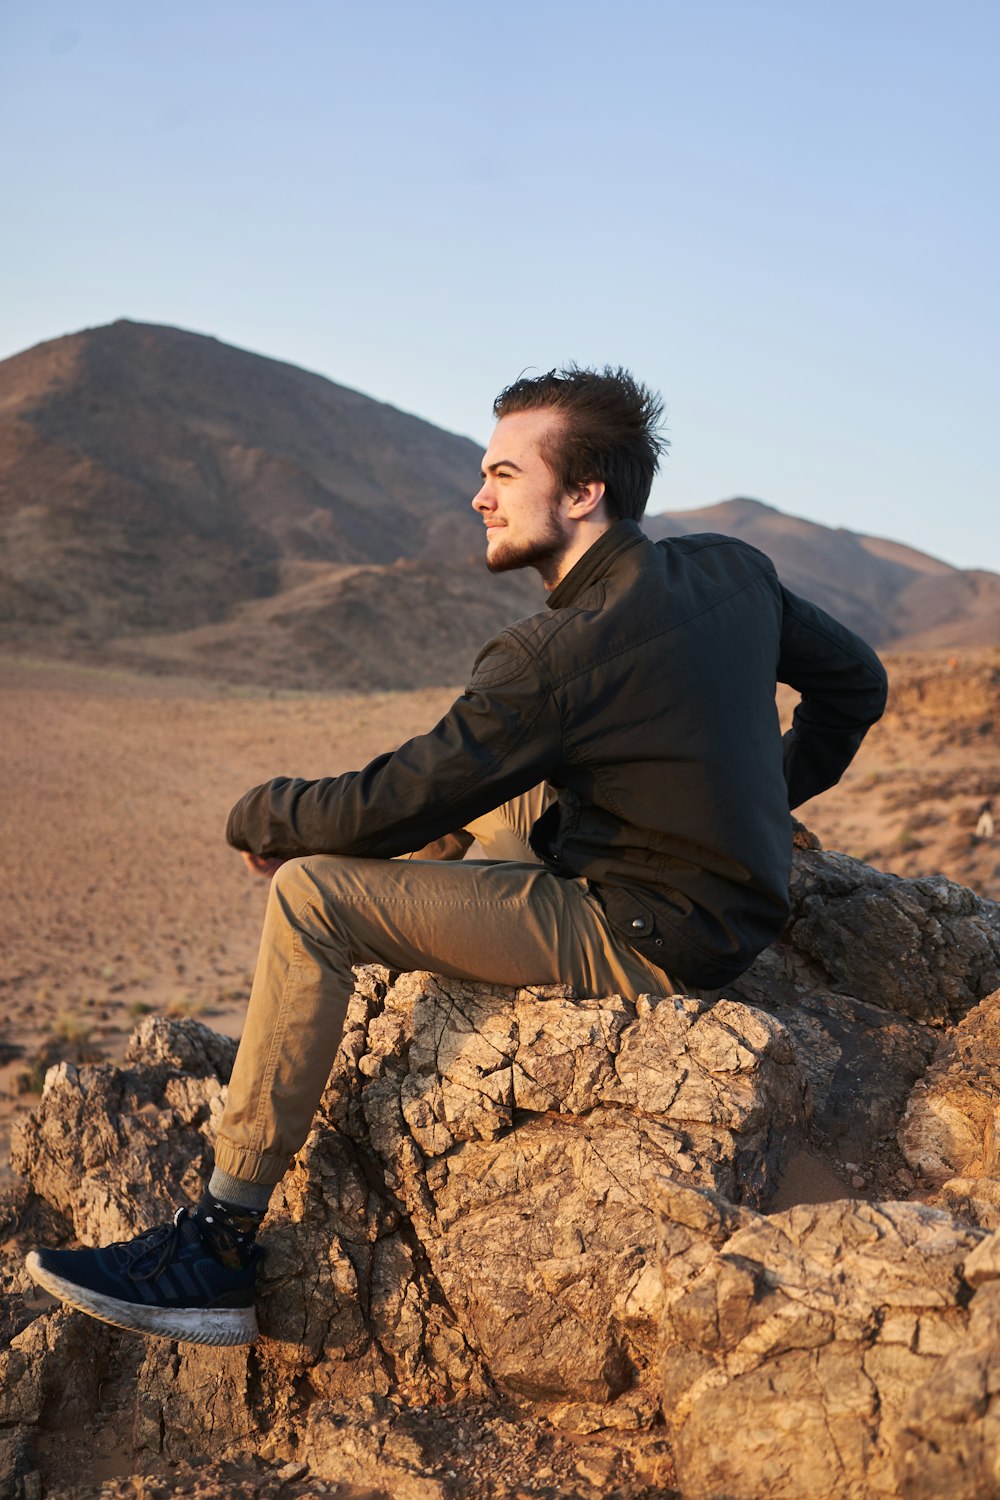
{"x":610,"y":431}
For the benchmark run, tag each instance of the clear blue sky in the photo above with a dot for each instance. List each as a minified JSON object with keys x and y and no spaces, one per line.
{"x":781,"y":213}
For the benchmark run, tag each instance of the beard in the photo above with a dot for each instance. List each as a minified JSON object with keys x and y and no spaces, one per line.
{"x":539,"y":551}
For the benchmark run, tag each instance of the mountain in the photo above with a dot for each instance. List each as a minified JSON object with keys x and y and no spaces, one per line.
{"x":170,"y":503}
{"x":152,"y":478}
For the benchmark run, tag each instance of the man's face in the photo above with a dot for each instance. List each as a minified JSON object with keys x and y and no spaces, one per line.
{"x":521,"y":501}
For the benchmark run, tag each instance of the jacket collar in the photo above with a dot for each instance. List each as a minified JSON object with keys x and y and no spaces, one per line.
{"x":595,"y":562}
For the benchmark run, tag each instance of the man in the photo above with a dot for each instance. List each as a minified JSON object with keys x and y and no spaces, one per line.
{"x":629,"y":731}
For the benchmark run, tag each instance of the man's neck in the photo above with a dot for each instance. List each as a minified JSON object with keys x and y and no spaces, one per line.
{"x":585,"y":534}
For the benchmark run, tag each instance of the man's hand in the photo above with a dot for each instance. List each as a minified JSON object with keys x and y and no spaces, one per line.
{"x":260,"y":864}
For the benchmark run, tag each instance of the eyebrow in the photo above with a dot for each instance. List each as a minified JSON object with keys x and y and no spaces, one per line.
{"x":501,"y":463}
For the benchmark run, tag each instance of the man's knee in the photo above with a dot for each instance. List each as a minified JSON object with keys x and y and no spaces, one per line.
{"x":312,"y":879}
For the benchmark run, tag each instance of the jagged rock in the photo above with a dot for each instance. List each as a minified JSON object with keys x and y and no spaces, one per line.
{"x":111,"y":1148}
{"x":50,"y":1371}
{"x":794,"y":1348}
{"x":165,"y":1057}
{"x":472,"y":1210}
{"x":50,"y":1378}
{"x":949,"y":1439}
{"x":185,"y":1045}
{"x":861,"y":1063}
{"x":541,"y":1238}
{"x":926,"y":948}
{"x":975,"y":1200}
{"x":952,"y":1123}
{"x":473,"y":1221}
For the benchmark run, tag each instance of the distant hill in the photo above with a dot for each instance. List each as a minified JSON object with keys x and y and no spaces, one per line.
{"x":172,"y":503}
{"x":176,"y":476}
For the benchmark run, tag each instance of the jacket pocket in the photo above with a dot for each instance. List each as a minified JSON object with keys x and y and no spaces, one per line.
{"x":630,"y":917}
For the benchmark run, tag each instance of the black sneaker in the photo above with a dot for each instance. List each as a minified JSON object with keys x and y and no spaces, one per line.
{"x":166,"y":1282}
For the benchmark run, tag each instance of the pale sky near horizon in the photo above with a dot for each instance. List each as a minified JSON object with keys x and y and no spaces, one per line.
{"x":783,"y":214}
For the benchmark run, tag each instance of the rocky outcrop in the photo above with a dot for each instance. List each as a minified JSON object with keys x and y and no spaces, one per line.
{"x":927,"y":949}
{"x":527,"y":1249}
{"x":868,"y":972}
{"x":457,"y":1254}
{"x":948,"y":1441}
{"x":111,"y":1148}
{"x":950,"y":1132}
{"x":801,"y":1354}
{"x":952,"y":1122}
{"x":470,"y":1219}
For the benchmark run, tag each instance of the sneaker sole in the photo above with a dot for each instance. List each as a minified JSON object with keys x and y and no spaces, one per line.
{"x":188,"y":1325}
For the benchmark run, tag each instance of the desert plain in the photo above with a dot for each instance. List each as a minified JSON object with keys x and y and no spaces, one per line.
{"x":122,"y":899}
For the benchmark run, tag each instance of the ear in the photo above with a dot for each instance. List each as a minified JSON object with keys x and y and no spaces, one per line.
{"x":585,"y":502}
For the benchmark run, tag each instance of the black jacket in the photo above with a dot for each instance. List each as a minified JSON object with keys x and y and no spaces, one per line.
{"x":645,"y":696}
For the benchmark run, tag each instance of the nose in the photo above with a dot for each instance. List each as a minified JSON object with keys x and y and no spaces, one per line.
{"x":485,"y":500}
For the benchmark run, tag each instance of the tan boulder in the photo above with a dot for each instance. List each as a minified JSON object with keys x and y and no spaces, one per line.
{"x":948,"y":1443}
{"x":793,"y":1346}
{"x":951,"y":1128}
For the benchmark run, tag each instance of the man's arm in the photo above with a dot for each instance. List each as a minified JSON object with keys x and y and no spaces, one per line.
{"x":499,"y":738}
{"x":451,"y":846}
{"x":843,"y":686}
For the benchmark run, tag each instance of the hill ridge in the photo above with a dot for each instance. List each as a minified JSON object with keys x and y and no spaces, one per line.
{"x":161,"y":489}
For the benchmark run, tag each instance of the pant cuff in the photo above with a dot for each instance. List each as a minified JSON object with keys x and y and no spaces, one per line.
{"x":265,"y":1168}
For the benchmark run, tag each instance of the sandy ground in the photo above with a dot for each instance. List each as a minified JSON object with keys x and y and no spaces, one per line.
{"x":121,"y":897}
{"x":910,"y":801}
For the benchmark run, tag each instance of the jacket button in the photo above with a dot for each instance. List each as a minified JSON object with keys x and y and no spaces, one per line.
{"x":639,"y":923}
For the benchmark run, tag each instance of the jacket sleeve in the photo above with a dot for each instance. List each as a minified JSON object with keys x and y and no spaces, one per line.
{"x":499,"y":738}
{"x":843,"y":686}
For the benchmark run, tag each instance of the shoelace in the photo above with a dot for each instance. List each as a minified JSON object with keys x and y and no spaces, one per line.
{"x":161,"y":1241}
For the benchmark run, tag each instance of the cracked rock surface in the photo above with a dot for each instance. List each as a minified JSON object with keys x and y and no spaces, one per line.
{"x":817,"y":1352}
{"x":541,"y":1237}
{"x":950,"y":1132}
{"x":927,"y":948}
{"x":470,"y":1219}
{"x":111,"y":1147}
{"x":526,"y":1249}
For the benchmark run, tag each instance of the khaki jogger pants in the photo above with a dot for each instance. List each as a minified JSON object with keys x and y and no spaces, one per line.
{"x":507,"y":922}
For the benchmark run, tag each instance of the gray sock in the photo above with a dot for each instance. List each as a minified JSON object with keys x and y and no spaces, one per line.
{"x":255,"y":1195}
